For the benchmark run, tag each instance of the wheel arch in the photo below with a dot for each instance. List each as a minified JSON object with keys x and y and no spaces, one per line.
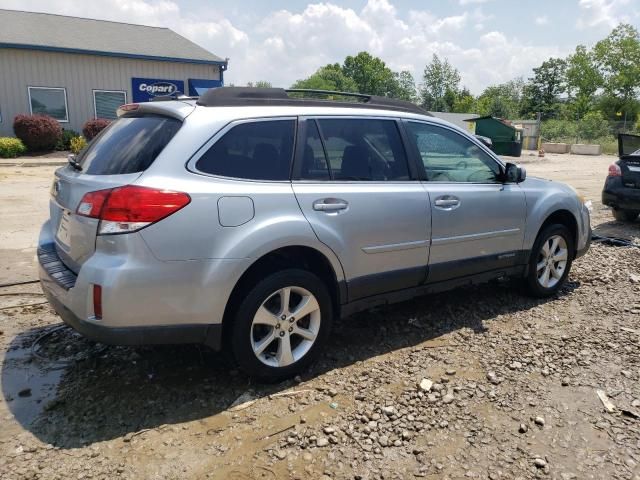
{"x":296,"y":256}
{"x":562,"y":217}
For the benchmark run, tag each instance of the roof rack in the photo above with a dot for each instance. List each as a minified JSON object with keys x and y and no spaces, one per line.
{"x":250,"y":96}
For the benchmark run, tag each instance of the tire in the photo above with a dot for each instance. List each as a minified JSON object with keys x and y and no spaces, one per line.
{"x":544,"y":280}
{"x":625,"y":215}
{"x":262,"y":328}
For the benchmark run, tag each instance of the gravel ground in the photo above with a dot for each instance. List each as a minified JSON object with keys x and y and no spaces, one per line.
{"x":476,"y":383}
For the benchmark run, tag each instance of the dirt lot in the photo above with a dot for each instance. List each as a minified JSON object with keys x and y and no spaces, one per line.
{"x":510,"y":388}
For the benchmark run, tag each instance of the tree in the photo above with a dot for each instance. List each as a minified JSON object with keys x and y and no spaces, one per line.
{"x":502,"y":101}
{"x":583,"y":80}
{"x":464,"y":102}
{"x":259,"y":84}
{"x":329,"y":77}
{"x":542,"y":92}
{"x":618,"y":57}
{"x":405,"y":86}
{"x":370,"y":74}
{"x":439,"y":81}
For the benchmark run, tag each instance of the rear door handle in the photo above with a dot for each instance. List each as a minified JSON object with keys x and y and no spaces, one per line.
{"x":447,"y":202}
{"x":330,"y":205}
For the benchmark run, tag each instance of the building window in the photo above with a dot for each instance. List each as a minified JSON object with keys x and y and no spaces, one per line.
{"x":106,"y":103}
{"x":49,"y":101}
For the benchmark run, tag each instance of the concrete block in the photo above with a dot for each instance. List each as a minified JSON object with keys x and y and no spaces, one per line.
{"x":555,"y":147}
{"x":584,"y":149}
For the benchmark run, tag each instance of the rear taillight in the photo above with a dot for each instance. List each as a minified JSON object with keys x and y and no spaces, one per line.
{"x":614,"y":170}
{"x":130,"y":208}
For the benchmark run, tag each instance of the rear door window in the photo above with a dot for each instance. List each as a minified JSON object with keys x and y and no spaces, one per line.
{"x":354,"y":149}
{"x":128,"y":145}
{"x":256,"y":150}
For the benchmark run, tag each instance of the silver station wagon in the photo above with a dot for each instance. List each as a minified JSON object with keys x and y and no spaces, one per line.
{"x":249,"y":219}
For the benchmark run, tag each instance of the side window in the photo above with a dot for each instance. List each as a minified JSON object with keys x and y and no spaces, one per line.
{"x":259,"y":150}
{"x":361,"y":150}
{"x":449,"y":157}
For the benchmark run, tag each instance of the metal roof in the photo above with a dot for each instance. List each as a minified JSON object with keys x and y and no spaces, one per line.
{"x":59,"y":33}
{"x":455,"y":118}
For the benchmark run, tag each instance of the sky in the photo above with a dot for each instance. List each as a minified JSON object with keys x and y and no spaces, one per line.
{"x":281,"y":41}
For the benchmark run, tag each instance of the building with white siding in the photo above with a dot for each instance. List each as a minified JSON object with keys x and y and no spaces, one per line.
{"x":76,"y":69}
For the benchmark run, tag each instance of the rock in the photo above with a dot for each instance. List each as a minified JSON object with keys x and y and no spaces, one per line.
{"x":425,"y":385}
{"x":383,"y":441}
{"x":540,"y":463}
{"x":329,"y":430}
{"x":524,"y":428}
{"x":322,"y":442}
{"x":448,"y":398}
{"x":451,"y":372}
{"x":280,"y":454}
{"x":437,"y":387}
{"x":388,"y":410}
{"x":634,"y":278}
{"x":493,"y":378}
{"x":539,"y":421}
{"x":636,"y":403}
{"x":515,"y":366}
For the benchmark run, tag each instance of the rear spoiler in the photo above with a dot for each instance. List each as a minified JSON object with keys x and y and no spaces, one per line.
{"x":177,"y":109}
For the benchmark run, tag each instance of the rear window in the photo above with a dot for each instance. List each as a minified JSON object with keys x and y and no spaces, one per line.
{"x":128,"y":145}
{"x":259,"y":150}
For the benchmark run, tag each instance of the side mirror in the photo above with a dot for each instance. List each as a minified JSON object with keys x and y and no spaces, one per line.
{"x":514,"y":173}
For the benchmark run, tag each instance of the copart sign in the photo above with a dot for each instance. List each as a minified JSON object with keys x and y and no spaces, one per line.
{"x":145,"y":89}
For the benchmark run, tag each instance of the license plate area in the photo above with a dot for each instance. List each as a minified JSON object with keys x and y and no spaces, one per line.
{"x":63,"y":234}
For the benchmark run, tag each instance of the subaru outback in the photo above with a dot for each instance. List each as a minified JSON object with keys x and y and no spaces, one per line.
{"x":249,"y":219}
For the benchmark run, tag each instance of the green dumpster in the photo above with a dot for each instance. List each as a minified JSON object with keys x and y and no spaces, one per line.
{"x":507,"y":140}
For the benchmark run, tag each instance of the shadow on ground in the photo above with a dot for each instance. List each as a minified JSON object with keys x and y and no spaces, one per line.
{"x":97,"y":393}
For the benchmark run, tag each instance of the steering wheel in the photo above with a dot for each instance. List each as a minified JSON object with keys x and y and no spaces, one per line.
{"x":462,"y":165}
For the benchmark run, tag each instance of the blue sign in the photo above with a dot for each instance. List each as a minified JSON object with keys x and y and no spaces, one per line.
{"x":144,"y":89}
{"x":198,"y":86}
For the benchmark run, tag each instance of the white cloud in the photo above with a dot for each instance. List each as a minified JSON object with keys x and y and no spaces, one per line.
{"x":604,"y":13}
{"x":468,"y":2}
{"x":287,"y":45}
{"x":542,"y":20}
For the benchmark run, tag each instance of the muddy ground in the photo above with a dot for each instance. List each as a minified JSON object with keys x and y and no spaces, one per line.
{"x":476,"y":383}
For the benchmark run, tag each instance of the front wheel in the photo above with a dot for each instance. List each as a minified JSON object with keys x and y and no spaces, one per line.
{"x":550,"y":261}
{"x":625,"y":215}
{"x":281,"y":324}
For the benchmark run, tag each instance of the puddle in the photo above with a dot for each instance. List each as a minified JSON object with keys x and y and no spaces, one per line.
{"x":27,"y":386}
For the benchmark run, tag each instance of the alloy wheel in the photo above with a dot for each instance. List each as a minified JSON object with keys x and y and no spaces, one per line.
{"x":285,"y":326}
{"x":552,"y":261}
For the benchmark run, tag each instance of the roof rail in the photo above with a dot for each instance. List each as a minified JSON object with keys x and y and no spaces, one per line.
{"x":173,"y":96}
{"x":250,"y":96}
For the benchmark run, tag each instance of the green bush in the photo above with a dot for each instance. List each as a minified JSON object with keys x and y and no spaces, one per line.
{"x":11,"y":147}
{"x":77,"y":144}
{"x":64,"y":143}
{"x":592,"y":126}
{"x":559,"y":131}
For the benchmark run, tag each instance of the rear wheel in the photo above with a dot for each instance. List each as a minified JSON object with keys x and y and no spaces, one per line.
{"x":625,"y":215}
{"x":281,"y":325}
{"x":550,"y":261}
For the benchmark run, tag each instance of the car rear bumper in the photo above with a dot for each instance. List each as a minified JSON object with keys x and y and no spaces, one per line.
{"x":616,"y":195}
{"x":209,"y":335}
{"x":144,"y":300}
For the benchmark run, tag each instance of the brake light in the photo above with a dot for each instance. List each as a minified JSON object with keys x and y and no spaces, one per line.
{"x":614,"y":170}
{"x":130,"y":208}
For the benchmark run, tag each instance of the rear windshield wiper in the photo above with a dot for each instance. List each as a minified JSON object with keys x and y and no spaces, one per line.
{"x":71,"y":158}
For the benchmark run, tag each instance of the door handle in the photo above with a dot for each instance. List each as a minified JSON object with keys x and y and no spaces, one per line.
{"x":330,"y":205}
{"x":447,"y":202}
